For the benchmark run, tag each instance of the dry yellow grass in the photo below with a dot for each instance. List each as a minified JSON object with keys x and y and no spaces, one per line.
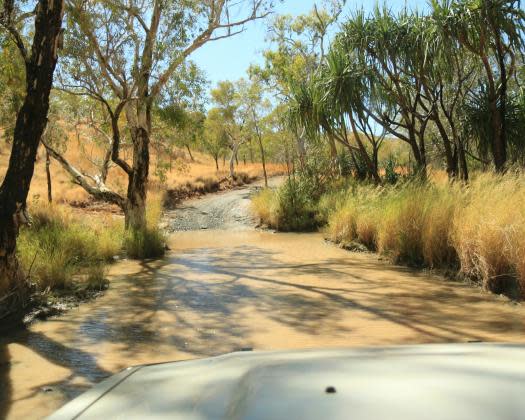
{"x":262,"y":206}
{"x":183,"y":171}
{"x":489,"y":230}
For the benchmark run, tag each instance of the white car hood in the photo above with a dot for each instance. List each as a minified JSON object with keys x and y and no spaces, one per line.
{"x":430,"y":382}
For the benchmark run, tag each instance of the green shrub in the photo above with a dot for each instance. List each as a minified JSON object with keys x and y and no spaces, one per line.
{"x":391,"y":176}
{"x":288,"y":208}
{"x":296,"y":209}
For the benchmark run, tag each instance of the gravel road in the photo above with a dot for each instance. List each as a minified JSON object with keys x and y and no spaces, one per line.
{"x":228,"y":210}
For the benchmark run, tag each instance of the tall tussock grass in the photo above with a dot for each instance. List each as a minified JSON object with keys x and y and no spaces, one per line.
{"x":62,"y":251}
{"x":477,"y":229}
{"x":58,"y":246}
{"x":489,"y":231}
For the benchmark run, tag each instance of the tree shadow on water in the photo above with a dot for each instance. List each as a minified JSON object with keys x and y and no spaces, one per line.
{"x":208,"y":301}
{"x":81,"y":365}
{"x":295,"y":294}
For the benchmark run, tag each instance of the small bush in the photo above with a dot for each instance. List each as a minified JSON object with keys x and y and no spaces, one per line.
{"x":391,"y":176}
{"x":296,"y":210}
{"x":290,"y":208}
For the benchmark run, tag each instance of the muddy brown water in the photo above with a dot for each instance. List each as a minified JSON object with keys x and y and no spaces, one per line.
{"x":223,"y":290}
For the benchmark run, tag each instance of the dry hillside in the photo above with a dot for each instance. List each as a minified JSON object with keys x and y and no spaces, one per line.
{"x":183,"y":170}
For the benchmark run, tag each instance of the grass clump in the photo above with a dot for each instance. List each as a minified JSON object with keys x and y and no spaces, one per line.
{"x":263,"y":206}
{"x":145,"y":243}
{"x":58,"y":246}
{"x":289,"y":208}
{"x":410,"y":223}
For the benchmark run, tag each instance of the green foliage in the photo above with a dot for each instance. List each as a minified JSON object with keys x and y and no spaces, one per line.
{"x":391,"y":176}
{"x":289,"y":208}
{"x":478,"y":124}
{"x":180,"y":109}
{"x":296,"y":208}
{"x":215,"y":139}
{"x":12,"y":86}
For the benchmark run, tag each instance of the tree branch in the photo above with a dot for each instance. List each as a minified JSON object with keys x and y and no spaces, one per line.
{"x":100,"y":191}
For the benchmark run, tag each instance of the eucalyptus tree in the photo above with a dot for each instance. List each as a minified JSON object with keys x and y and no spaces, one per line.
{"x":254,"y":108}
{"x":179,"y":127}
{"x":492,"y":31}
{"x":180,"y":108}
{"x":215,"y":139}
{"x":39,"y":58}
{"x":279,"y":140}
{"x":234,"y":118}
{"x":12,"y":85}
{"x":125,"y":52}
{"x":300,"y":45}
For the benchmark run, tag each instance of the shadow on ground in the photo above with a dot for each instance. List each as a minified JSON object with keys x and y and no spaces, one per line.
{"x":210,"y":301}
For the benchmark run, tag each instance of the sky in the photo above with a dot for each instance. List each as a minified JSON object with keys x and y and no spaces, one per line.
{"x":229,"y":59}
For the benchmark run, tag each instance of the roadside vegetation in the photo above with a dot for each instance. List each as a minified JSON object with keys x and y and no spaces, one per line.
{"x":117,"y":122}
{"x":409,"y":131}
{"x":474,"y":231}
{"x":150,"y":241}
{"x":60,"y":250}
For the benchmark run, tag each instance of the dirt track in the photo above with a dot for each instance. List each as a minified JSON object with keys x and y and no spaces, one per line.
{"x":224,"y":211}
{"x":227,"y":210}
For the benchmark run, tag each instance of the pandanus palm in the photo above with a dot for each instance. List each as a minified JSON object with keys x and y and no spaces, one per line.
{"x":380,"y":43}
{"x":343,"y":87}
{"x":492,"y":31}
